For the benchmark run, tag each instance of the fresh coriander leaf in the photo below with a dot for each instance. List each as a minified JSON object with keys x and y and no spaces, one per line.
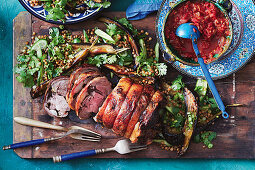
{"x":32,"y":71}
{"x":29,"y":81}
{"x":128,"y":25}
{"x":106,"y":4}
{"x":92,"y":4}
{"x":20,"y":79}
{"x":207,"y":137}
{"x":22,"y":58}
{"x":111,"y":59}
{"x":56,"y":72}
{"x":18,"y":70}
{"x":111,"y":29}
{"x":213,"y":103}
{"x":177,"y":84}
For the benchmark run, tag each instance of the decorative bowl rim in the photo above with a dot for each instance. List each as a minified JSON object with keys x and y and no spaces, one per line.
{"x":169,"y":51}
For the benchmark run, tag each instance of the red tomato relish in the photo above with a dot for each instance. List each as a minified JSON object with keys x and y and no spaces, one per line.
{"x":211,"y":22}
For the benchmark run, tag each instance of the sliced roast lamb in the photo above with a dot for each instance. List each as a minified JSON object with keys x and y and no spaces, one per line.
{"x":145,"y":128}
{"x":75,"y":75}
{"x":92,"y":96}
{"x":124,"y":82}
{"x":79,"y":84}
{"x":127,"y":109}
{"x":117,"y":97}
{"x":142,"y":103}
{"x":55,"y":103}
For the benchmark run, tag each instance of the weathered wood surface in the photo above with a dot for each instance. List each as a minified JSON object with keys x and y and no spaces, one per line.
{"x":236,"y":137}
{"x":21,"y":100}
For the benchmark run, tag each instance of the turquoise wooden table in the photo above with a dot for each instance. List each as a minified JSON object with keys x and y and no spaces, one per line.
{"x":9,"y":160}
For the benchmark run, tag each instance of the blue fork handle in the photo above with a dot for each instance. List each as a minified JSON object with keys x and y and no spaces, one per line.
{"x":74,"y":155}
{"x":210,"y":81}
{"x":24,"y":144}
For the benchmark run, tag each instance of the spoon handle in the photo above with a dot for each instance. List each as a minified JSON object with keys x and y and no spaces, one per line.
{"x":209,"y":80}
{"x":36,"y":123}
{"x":213,"y":88}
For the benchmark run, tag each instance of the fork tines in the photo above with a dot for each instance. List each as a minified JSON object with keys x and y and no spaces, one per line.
{"x":89,"y":138}
{"x":89,"y":133}
{"x":137,"y":147}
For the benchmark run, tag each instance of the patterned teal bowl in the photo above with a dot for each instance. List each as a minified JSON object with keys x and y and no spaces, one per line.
{"x":173,"y":55}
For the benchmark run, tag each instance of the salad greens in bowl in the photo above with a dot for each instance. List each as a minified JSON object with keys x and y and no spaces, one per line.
{"x":64,"y":11}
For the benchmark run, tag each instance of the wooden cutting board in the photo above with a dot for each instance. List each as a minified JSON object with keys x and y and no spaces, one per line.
{"x":236,"y":136}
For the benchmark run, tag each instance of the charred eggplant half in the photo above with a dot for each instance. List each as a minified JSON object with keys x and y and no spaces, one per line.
{"x":187,"y":114}
{"x":179,"y":119}
{"x":173,"y":118}
{"x":191,"y":118}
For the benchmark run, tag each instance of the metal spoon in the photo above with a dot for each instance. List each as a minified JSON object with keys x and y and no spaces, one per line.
{"x":190,"y":31}
{"x":78,"y":135}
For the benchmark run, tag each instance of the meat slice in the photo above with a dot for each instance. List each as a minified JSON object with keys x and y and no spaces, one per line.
{"x":145,"y":129}
{"x":79,"y":84}
{"x":115,"y":101}
{"x":100,"y":114}
{"x":92,"y":96}
{"x":142,"y":103}
{"x":55,"y":103}
{"x":75,"y":75}
{"x":127,"y":108}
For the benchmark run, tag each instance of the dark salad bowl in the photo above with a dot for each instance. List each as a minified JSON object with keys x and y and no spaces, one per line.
{"x":78,"y":16}
{"x":171,"y":54}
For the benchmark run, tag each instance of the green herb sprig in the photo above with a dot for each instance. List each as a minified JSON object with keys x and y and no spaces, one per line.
{"x":206,"y":137}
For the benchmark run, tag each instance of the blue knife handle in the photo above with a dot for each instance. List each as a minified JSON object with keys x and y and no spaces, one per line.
{"x":74,"y":155}
{"x":210,"y":81}
{"x":24,"y":144}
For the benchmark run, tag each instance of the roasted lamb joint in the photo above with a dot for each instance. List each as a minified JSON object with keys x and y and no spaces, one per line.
{"x":142,"y":103}
{"x":75,"y":75}
{"x":54,"y":101}
{"x":79,"y":84}
{"x":127,"y":109}
{"x":92,"y":96}
{"x":144,"y":129}
{"x":116,"y":98}
{"x":100,"y":114}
